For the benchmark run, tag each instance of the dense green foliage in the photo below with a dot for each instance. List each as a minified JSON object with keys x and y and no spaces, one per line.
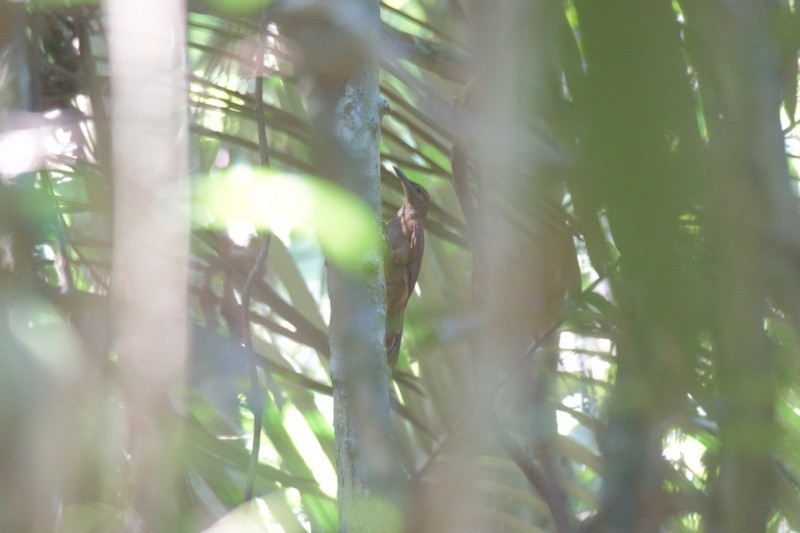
{"x":607,"y":319}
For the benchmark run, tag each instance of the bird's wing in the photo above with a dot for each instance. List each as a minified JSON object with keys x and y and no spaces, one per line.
{"x":415,"y":262}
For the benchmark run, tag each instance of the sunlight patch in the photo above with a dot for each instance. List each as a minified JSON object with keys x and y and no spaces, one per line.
{"x":309,"y":449}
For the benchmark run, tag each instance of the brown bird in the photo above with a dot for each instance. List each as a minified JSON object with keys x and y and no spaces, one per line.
{"x":405,"y":235}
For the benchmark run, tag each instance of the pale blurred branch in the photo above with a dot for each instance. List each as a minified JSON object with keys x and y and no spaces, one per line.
{"x":147,"y":41}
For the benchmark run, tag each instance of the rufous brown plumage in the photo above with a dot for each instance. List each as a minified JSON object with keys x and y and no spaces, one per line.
{"x":405,"y":235}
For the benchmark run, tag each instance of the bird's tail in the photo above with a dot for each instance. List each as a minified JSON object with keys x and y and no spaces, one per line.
{"x":393,"y":347}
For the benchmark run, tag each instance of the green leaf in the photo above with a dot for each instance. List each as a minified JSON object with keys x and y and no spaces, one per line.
{"x":283,"y":202}
{"x":239,"y":6}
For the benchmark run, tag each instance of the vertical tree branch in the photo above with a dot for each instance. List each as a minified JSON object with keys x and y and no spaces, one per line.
{"x":147,"y":55}
{"x":748,"y":168}
{"x":521,"y":272}
{"x":637,"y":89}
{"x":340,"y":41}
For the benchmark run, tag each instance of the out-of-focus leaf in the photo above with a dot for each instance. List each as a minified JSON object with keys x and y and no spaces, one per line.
{"x":63,"y":3}
{"x":788,"y":501}
{"x":282,"y":202}
{"x":578,"y":453}
{"x":259,"y":515}
{"x":507,"y":522}
{"x":53,"y":344}
{"x":295,"y":284}
{"x":523,"y":496}
{"x":89,"y":518}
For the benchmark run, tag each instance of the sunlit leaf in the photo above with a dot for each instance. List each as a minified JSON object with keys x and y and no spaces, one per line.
{"x":284,"y":202}
{"x":239,"y":6}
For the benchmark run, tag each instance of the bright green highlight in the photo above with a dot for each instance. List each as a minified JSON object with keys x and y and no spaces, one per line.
{"x":239,"y":6}
{"x":379,"y":514}
{"x":345,"y":228}
{"x":46,"y":4}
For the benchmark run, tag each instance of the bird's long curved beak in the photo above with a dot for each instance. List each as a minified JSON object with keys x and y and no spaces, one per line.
{"x":403,"y":179}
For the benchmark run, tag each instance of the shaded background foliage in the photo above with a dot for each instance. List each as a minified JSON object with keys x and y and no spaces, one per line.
{"x":605,"y":331}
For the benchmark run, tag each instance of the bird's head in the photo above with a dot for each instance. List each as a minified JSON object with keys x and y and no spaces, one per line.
{"x":415,"y":194}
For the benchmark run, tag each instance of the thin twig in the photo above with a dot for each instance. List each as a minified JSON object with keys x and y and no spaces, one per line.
{"x":256,"y":396}
{"x":256,"y":400}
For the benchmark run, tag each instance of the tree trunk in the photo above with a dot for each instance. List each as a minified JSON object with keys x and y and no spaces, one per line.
{"x":346,"y":104}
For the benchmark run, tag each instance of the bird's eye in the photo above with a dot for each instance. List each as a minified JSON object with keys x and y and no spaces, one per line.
{"x":419,"y":189}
